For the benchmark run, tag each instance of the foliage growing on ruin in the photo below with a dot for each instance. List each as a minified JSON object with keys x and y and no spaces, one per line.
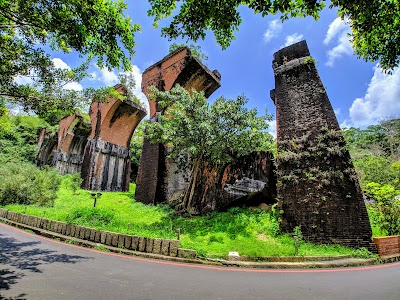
{"x":295,"y":156}
{"x":97,"y":30}
{"x":375,"y":24}
{"x":194,"y":49}
{"x":198,"y":133}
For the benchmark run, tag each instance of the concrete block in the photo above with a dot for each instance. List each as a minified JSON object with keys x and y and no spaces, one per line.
{"x":165,"y":247}
{"x":157,"y":246}
{"x":187,"y":253}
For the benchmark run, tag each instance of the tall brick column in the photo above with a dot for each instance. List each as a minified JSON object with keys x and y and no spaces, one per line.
{"x":157,"y":180}
{"x":317,"y":186}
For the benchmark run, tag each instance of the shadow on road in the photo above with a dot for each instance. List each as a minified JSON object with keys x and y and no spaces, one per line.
{"x":18,"y":258}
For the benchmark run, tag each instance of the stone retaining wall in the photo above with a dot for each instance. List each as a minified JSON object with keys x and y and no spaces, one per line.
{"x":129,"y":242}
{"x":388,"y":246}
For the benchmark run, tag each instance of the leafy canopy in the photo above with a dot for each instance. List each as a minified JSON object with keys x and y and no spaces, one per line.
{"x":213,"y":133}
{"x":387,"y":206}
{"x":197,"y":133}
{"x":375,"y":24}
{"x":96,"y":29}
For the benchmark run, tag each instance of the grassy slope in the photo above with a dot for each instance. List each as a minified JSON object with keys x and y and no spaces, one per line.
{"x":248,"y":232}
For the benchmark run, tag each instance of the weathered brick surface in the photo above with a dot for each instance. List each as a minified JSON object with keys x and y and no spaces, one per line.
{"x":106,"y":163}
{"x":72,"y":138}
{"x":47,"y":146}
{"x":247,"y":180}
{"x":318,"y":188}
{"x":156,"y":180}
{"x":389,"y":245}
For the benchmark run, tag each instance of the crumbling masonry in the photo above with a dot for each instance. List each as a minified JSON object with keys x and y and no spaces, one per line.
{"x":107,"y":157}
{"x":158,"y":178}
{"x":98,"y":148}
{"x":317,"y":188}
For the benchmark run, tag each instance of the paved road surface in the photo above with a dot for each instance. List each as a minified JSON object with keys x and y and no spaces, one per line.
{"x":33,"y":267}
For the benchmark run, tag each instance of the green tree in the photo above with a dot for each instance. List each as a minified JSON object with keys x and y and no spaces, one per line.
{"x":96,"y":29}
{"x":375,"y":24}
{"x":137,"y":143}
{"x":197,"y":133}
{"x":391,"y":127}
{"x":387,"y":206}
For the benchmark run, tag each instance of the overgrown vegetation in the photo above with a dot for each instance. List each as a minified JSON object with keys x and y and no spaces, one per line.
{"x":197,"y":133}
{"x":20,"y":180}
{"x":250,"y":232}
{"x":376,"y":155}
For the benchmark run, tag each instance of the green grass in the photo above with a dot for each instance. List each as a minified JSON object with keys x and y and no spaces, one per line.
{"x":253,"y":233}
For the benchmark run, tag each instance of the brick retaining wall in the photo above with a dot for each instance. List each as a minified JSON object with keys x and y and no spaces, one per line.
{"x":129,"y":242}
{"x":388,"y":246}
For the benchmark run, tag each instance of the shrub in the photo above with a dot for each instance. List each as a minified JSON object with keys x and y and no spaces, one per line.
{"x":387,"y":207}
{"x":23,"y":183}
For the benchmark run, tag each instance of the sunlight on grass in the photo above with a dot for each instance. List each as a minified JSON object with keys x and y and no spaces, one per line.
{"x":253,"y":233}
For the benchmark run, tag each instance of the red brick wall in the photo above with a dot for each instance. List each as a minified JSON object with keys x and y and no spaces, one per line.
{"x":389,"y":245}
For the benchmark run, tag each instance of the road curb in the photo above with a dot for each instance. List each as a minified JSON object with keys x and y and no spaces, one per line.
{"x":343,"y":262}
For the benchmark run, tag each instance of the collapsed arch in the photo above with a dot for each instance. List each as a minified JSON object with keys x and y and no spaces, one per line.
{"x":107,"y":155}
{"x":157,"y":178}
{"x":72,"y":138}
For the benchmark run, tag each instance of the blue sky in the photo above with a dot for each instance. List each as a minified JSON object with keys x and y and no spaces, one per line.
{"x":359,"y":92}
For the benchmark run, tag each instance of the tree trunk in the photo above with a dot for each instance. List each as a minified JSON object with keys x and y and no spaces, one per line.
{"x":188,"y":197}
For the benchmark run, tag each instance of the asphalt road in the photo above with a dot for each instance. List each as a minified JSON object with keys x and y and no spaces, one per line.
{"x":33,"y":267}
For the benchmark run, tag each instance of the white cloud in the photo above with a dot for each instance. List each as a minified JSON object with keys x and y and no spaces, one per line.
{"x":108,"y":77}
{"x":380,"y":100}
{"x":22,"y":80}
{"x":59,"y":63}
{"x":137,"y":91}
{"x":73,"y":86}
{"x":292,"y":39}
{"x":337,"y":111}
{"x":345,"y":124}
{"x":338,"y":30}
{"x":335,"y":28}
{"x":274,"y":27}
{"x":272,"y":128}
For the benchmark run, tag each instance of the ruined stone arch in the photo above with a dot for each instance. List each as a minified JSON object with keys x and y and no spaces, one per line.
{"x":72,"y":138}
{"x":158,"y":179}
{"x":107,"y":155}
